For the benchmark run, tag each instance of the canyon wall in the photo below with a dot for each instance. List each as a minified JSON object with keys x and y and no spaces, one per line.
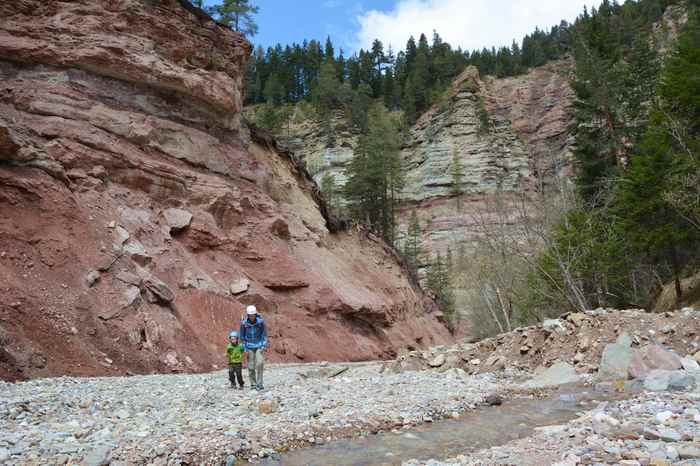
{"x":511,"y":136}
{"x":138,"y":215}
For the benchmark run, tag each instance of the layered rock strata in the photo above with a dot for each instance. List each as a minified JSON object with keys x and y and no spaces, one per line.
{"x":139,"y":216}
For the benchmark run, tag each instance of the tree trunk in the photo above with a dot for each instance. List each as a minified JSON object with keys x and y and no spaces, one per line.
{"x":676,"y":275}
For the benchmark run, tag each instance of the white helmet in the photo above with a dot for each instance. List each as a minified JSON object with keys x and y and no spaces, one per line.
{"x":251,"y":310}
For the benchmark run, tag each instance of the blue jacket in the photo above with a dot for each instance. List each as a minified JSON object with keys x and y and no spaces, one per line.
{"x":253,"y":335}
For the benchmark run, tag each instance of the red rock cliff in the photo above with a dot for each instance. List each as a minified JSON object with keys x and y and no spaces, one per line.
{"x":138,"y":216}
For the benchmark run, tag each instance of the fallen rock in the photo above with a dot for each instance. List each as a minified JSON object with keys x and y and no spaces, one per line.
{"x":657,"y":357}
{"x":177,"y":219}
{"x":690,"y":364}
{"x":494,"y":400}
{"x":267,"y":406}
{"x":91,"y":278}
{"x":159,"y":289}
{"x":688,"y":452}
{"x":657,"y":380}
{"x":121,"y":236}
{"x":285,"y":284}
{"x":239,"y":286}
{"x":553,"y":325}
{"x":576,"y":318}
{"x":99,"y":456}
{"x":681,"y":381}
{"x":559,"y":374}
{"x":437,"y":361}
{"x":280,"y":228}
{"x":616,"y":359}
{"x":128,"y":278}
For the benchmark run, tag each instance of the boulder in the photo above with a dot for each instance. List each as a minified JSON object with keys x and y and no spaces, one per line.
{"x":559,"y":374}
{"x":690,"y":364}
{"x":177,"y":219}
{"x":99,"y":456}
{"x":553,"y":325}
{"x":267,"y":406}
{"x":616,"y":359}
{"x":657,"y":380}
{"x":280,"y":228}
{"x":91,"y":278}
{"x":493,"y":400}
{"x":681,"y":381}
{"x":437,"y":361}
{"x":160,"y":290}
{"x":239,"y":286}
{"x":121,"y":236}
{"x":576,"y":318}
{"x":657,"y":357}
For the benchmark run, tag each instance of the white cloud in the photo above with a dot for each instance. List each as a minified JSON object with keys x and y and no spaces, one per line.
{"x":468,"y":23}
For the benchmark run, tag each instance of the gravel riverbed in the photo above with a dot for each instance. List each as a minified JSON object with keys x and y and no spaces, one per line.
{"x":171,"y":419}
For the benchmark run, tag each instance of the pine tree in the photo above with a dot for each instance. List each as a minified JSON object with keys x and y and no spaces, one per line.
{"x":439,"y":282}
{"x":329,"y":53}
{"x":329,"y":191}
{"x":412,"y":246}
{"x":375,"y":176}
{"x":238,"y":15}
{"x":360,"y":108}
{"x":457,"y":175}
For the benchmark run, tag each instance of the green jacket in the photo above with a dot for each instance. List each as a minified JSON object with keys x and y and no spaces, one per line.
{"x":235,"y":353}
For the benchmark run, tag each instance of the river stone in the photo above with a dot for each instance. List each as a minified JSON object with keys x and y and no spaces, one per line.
{"x":688,"y":452}
{"x":99,"y":456}
{"x":553,"y":325}
{"x":494,"y":400}
{"x":267,"y":406}
{"x":681,"y":381}
{"x":437,"y":361}
{"x":690,"y":364}
{"x":657,"y":380}
{"x":616,"y":359}
{"x":559,"y":374}
{"x":177,"y":219}
{"x":657,"y":357}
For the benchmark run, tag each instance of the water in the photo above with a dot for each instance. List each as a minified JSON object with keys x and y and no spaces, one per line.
{"x":483,"y":428}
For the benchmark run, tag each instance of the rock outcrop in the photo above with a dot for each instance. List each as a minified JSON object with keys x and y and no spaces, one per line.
{"x":511,"y":137}
{"x":133,"y":199}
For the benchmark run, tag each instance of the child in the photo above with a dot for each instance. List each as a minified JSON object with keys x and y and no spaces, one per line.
{"x":234,"y":351}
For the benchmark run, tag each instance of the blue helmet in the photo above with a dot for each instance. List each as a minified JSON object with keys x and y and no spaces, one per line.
{"x":233,"y":334}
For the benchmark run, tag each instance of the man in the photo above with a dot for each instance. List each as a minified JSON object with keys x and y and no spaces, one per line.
{"x":254,"y":337}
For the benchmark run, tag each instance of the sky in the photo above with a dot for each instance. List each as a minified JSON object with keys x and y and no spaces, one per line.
{"x":353,"y":24}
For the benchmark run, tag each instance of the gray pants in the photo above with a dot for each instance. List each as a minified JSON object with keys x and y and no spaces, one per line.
{"x":256,"y":364}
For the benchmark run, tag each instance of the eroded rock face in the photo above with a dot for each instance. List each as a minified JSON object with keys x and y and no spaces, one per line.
{"x":526,"y":145}
{"x":111,"y":113}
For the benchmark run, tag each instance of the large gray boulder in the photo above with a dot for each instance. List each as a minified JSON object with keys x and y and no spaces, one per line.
{"x":616,"y":359}
{"x":559,"y":374}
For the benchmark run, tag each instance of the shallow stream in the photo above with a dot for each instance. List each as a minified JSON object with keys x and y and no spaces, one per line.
{"x":475,"y":430}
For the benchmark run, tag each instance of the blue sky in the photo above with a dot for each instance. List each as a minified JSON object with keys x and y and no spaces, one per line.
{"x":355,"y":23}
